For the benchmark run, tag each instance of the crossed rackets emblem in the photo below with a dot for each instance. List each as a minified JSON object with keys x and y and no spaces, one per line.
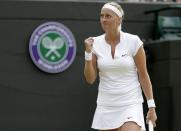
{"x":53,"y":46}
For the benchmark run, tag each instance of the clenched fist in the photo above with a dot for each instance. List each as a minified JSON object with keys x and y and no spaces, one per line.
{"x":88,"y":44}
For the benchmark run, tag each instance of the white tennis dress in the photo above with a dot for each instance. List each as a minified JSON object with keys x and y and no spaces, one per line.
{"x":119,"y":94}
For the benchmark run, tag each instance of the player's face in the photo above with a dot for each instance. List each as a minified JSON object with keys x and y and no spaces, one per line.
{"x":109,"y":20}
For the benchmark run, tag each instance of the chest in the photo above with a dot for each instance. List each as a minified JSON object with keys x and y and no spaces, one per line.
{"x":117,"y":59}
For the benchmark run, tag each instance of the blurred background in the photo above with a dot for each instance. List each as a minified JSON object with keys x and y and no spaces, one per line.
{"x":32,"y":100}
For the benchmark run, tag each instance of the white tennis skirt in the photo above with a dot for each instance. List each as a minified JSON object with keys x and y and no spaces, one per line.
{"x":107,"y":117}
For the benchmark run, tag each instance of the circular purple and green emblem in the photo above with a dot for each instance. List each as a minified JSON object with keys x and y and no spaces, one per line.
{"x":52,"y":47}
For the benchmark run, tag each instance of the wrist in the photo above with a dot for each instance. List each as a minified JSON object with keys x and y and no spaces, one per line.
{"x":151,"y":103}
{"x":88,"y":56}
{"x":88,"y":50}
{"x":152,"y":108}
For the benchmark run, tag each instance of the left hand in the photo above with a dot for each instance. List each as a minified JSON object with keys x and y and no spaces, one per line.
{"x":151,"y":115}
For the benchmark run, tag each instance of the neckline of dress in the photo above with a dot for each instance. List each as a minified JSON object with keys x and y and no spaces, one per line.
{"x":118,"y":45}
{"x":120,"y":41}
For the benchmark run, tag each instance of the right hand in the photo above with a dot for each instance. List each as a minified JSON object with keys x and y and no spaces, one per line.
{"x":88,"y":44}
{"x":151,"y":115}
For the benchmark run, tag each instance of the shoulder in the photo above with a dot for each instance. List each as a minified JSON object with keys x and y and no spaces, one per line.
{"x":98,"y":43}
{"x":133,"y":42}
{"x":98,"y":38}
{"x":131,"y":37}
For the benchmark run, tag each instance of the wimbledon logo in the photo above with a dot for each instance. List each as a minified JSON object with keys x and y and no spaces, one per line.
{"x":52,"y":47}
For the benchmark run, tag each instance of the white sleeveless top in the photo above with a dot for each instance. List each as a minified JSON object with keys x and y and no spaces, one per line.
{"x":119,"y":84}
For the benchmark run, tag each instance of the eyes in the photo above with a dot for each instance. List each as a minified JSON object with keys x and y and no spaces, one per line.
{"x":106,"y":16}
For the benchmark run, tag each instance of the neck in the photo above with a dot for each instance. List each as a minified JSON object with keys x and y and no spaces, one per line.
{"x":113,"y":37}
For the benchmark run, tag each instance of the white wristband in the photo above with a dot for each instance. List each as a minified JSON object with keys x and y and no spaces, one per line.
{"x":151,"y":103}
{"x":88,"y":56}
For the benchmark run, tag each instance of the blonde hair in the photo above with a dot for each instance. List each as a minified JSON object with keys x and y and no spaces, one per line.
{"x":118,"y":6}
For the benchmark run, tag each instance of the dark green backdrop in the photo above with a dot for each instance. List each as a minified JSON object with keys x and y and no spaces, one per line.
{"x":31,"y":100}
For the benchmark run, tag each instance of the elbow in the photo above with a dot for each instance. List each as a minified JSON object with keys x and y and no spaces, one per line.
{"x":143,"y":74}
{"x":90,"y":81}
{"x":90,"y":78}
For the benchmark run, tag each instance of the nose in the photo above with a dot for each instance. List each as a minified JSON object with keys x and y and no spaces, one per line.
{"x":103,"y":19}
